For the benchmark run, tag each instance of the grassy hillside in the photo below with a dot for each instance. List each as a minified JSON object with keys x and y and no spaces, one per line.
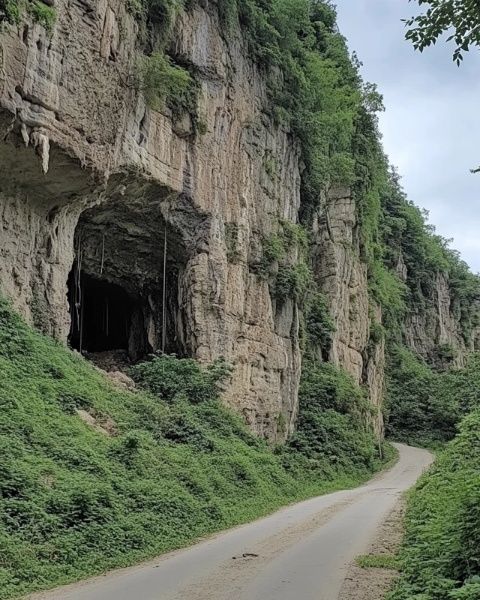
{"x":154,"y":469}
{"x":441,"y":558}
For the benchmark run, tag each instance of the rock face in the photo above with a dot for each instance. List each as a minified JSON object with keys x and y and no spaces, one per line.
{"x":342,"y":276}
{"x":97,"y":190}
{"x":434,"y":332}
{"x":128,"y":228}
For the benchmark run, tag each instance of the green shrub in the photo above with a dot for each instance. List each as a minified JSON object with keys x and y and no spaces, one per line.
{"x":334,"y":420}
{"x":228,"y":14}
{"x":293,"y":281}
{"x":319,"y":323}
{"x":425,"y":405}
{"x":163,"y":82}
{"x":271,"y":166}
{"x":441,"y":556}
{"x":293,"y":235}
{"x":283,"y":262}
{"x":469,"y":591}
{"x":273,"y":251}
{"x":10,"y":11}
{"x":172,"y":378}
{"x":377,"y":332}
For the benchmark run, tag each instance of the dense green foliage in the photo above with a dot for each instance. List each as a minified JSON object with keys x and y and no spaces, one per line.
{"x":9,"y":11}
{"x":458,"y":18}
{"x":284,"y":262}
{"x":43,"y":14}
{"x":333,"y":420}
{"x":163,"y":78}
{"x":319,"y":327}
{"x":424,"y":404}
{"x":441,"y":557}
{"x":174,"y":379}
{"x":154,"y":469}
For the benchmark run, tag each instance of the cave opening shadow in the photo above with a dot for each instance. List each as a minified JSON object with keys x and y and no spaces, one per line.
{"x":103,"y":316}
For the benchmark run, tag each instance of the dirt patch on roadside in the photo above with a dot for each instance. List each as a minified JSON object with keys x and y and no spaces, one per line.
{"x":375,"y":583}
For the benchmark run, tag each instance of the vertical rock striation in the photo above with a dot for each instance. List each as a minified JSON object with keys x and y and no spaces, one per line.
{"x":342,"y":275}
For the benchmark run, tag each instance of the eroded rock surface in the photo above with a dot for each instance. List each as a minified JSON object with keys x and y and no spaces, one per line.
{"x":434,"y":330}
{"x":343,"y":278}
{"x":88,"y":170}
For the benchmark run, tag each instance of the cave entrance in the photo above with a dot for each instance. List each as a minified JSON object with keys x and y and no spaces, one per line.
{"x":105,"y":317}
{"x":126,"y":288}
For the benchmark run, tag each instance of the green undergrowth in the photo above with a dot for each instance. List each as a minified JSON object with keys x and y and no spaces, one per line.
{"x":441,"y":555}
{"x":156,"y":469}
{"x":424,"y":404}
{"x":339,"y":431}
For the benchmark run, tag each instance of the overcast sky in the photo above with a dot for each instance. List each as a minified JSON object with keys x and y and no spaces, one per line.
{"x":431,"y":127}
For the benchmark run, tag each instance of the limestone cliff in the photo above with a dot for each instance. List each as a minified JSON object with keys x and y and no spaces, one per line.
{"x":434,"y":330}
{"x":112,"y":177}
{"x":125,"y":226}
{"x":343,"y":278}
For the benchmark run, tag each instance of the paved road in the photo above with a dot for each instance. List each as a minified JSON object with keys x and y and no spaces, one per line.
{"x":299,"y":553}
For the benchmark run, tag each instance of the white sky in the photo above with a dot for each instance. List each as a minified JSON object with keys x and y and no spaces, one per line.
{"x":431,"y":127}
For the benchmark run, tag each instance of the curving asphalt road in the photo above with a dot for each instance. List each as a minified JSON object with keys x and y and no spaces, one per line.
{"x":299,"y":553}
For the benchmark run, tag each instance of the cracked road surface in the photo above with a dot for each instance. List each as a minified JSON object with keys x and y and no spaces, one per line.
{"x":301,"y":552}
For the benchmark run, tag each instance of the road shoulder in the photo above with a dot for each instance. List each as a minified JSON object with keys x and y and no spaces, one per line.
{"x":374,"y":583}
